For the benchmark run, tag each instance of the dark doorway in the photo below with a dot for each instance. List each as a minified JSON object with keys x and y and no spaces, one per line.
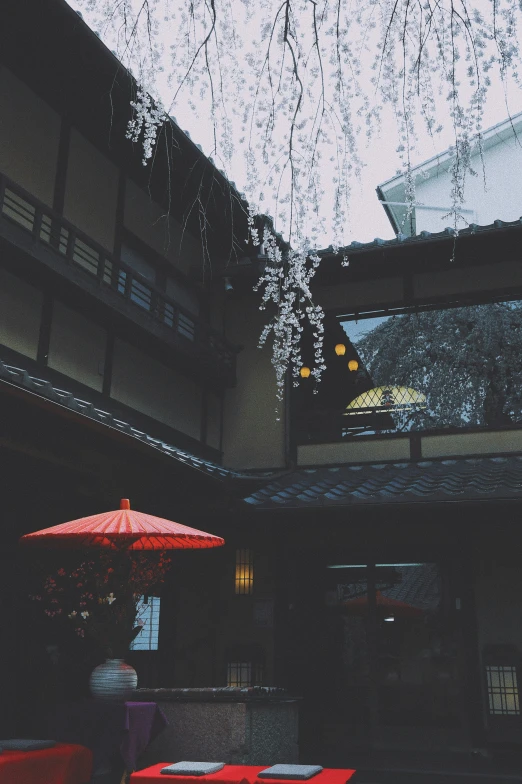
{"x":394,"y":657}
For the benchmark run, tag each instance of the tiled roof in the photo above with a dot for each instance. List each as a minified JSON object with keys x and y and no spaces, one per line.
{"x":422,"y":237}
{"x":461,"y":479}
{"x":44,"y":388}
{"x":426,"y":480}
{"x":490,"y":137}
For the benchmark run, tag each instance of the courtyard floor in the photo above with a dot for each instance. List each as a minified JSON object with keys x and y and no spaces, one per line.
{"x":395,"y":767}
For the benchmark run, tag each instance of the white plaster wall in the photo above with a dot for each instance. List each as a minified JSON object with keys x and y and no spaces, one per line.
{"x":254,"y":435}
{"x":91,"y":191}
{"x":354,"y":452}
{"x":20,"y":314}
{"x":499,"y":198}
{"x":149,"y":221}
{"x":77,"y":346}
{"x":143,"y":383}
{"x":213,"y":421}
{"x":29,"y":137}
{"x":495,"y":442}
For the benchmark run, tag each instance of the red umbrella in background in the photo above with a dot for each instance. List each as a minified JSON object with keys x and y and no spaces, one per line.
{"x":126,"y":540}
{"x":394,"y":607}
{"x":123,"y":529}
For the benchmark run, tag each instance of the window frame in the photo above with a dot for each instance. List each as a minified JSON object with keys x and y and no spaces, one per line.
{"x":379,"y":310}
{"x":154,"y":621}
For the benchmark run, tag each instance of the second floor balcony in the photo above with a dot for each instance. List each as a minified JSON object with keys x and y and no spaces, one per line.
{"x":52,"y":240}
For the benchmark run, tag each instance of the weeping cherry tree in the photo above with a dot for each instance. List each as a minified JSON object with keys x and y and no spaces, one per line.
{"x":297,"y":88}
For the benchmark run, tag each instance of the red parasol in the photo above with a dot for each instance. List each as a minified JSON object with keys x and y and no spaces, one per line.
{"x":393,"y":606}
{"x":123,"y":529}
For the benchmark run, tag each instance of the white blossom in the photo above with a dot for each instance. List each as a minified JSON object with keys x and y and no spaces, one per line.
{"x":286,"y":89}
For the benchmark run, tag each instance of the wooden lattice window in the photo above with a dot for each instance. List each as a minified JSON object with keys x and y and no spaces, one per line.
{"x":244,"y":673}
{"x":244,"y":583}
{"x":245,"y":665}
{"x":503,"y":694}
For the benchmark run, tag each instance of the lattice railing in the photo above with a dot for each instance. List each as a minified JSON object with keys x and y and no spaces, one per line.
{"x":76,"y":249}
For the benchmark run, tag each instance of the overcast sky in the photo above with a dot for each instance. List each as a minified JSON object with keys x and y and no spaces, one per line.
{"x":368,"y":219}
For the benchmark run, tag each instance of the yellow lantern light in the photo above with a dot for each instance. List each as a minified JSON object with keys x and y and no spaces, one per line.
{"x":340,"y":349}
{"x":304,"y":372}
{"x":353,"y":365}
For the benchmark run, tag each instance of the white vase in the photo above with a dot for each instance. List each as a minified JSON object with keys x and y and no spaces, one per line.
{"x":113,"y":680}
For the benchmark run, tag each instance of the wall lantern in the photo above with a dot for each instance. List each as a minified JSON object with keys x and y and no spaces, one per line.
{"x":340,"y":349}
{"x":244,"y":572}
{"x":304,"y":372}
{"x":353,"y":365}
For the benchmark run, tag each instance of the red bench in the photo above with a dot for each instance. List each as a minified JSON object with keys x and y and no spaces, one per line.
{"x":65,"y":763}
{"x":235,"y":774}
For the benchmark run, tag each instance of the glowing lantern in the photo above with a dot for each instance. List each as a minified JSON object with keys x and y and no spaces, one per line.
{"x":304,"y":372}
{"x":353,"y":364}
{"x":340,"y":349}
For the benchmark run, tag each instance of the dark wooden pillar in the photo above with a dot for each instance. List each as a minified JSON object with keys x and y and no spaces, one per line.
{"x":284,"y":606}
{"x":372,"y":643}
{"x":472,"y":685}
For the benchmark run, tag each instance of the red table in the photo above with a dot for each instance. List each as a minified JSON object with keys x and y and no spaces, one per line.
{"x":65,"y":763}
{"x":236,"y":774}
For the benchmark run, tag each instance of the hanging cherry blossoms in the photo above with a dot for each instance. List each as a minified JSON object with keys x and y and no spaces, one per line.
{"x":297,"y":87}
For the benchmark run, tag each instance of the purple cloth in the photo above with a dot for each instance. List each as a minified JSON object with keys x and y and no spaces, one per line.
{"x":116,"y":733}
{"x":144,"y":722}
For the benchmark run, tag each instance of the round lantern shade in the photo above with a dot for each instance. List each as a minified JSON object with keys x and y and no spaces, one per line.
{"x":123,"y":529}
{"x":353,"y":365}
{"x":304,"y":372}
{"x":340,"y":349}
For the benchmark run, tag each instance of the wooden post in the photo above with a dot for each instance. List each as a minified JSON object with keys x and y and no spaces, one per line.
{"x":372,"y":645}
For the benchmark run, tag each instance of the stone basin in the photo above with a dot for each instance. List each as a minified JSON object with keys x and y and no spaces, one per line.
{"x":251,"y":726}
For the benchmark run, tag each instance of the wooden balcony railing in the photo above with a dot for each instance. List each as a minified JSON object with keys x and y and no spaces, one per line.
{"x":77,"y":249}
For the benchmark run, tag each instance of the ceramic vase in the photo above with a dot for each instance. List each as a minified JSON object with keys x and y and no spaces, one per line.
{"x":113,"y":680}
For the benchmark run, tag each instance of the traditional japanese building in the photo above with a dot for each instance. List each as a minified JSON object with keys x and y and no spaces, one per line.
{"x":371,"y":561}
{"x":492,"y":186}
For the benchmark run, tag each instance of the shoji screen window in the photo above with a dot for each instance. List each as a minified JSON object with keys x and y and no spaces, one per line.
{"x":148,"y":614}
{"x":503,"y":690}
{"x":502,"y":671}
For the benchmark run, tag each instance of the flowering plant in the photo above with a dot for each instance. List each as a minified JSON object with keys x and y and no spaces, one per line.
{"x":100,"y":596}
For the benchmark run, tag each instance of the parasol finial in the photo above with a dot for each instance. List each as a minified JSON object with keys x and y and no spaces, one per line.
{"x":124,"y":503}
